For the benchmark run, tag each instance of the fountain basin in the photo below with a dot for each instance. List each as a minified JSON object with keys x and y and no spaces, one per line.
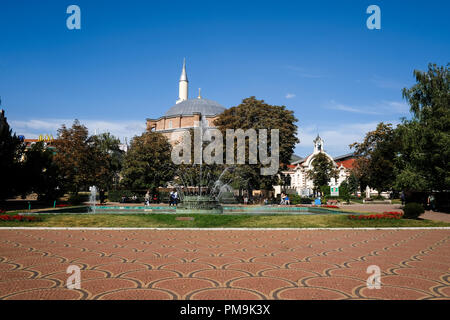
{"x":199,"y":204}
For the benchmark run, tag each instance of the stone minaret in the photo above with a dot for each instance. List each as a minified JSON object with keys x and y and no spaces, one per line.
{"x":183,"y":85}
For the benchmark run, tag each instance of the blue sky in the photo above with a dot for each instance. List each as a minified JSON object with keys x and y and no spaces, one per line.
{"x":315,"y":57}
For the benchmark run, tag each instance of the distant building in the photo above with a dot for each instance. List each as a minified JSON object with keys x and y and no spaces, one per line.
{"x":298,"y":170}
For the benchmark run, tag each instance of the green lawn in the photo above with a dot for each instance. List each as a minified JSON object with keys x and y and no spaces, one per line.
{"x":217,"y":221}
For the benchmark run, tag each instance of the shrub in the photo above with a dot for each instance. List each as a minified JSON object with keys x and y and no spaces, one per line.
{"x":413,"y":210}
{"x":306,"y":200}
{"x":295,"y":199}
{"x":115,"y":195}
{"x":76,"y":199}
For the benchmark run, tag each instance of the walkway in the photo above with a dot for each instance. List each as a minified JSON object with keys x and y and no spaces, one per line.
{"x":228,"y":264}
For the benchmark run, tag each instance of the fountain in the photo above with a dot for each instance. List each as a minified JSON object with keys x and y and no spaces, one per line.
{"x":93,"y":197}
{"x":203,"y":198}
{"x":200,"y":189}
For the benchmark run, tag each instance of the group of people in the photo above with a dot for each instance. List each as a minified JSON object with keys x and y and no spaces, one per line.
{"x":285,"y":199}
{"x":149,"y":198}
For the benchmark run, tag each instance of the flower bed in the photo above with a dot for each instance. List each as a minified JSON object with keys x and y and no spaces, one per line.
{"x":19,"y":218}
{"x":61,"y":205}
{"x":378,"y":216}
{"x":329,"y":206}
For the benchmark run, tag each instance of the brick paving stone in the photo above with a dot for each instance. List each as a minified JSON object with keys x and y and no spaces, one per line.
{"x":225,"y":264}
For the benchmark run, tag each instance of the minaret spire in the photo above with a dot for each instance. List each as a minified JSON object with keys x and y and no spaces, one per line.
{"x":183,"y":84}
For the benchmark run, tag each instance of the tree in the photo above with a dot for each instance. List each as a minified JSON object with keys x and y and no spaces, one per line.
{"x":41,"y":173}
{"x":352,"y":183}
{"x":148,"y":163}
{"x":376,"y":157}
{"x":256,"y":114}
{"x":11,"y":151}
{"x":322,"y":171}
{"x":424,"y":158}
{"x":80,"y":161}
{"x":344,"y":191}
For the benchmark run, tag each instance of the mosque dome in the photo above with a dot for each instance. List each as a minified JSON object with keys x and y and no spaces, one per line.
{"x":204,"y":106}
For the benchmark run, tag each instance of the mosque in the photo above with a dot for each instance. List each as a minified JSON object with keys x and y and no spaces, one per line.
{"x":186,"y":113}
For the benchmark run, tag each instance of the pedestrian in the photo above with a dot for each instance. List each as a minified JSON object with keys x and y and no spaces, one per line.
{"x":175,"y":198}
{"x":245,"y":200}
{"x":432,"y":202}
{"x":402,"y":197}
{"x":147,"y":198}
{"x":286,"y":200}
{"x":170,"y":198}
{"x":282,"y":202}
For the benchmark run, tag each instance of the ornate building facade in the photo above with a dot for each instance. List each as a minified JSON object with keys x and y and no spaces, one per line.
{"x":298,"y":170}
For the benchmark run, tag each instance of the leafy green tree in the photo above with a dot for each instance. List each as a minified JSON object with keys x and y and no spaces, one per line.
{"x":148,"y":163}
{"x":322,"y":171}
{"x":424,"y":159}
{"x":11,"y":151}
{"x":41,"y":173}
{"x":109,"y":148}
{"x":256,"y":114}
{"x":344,"y":191}
{"x":376,"y":157}
{"x":352,"y":183}
{"x":81,"y":163}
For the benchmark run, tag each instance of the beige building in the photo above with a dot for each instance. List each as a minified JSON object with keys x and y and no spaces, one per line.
{"x":186,"y":113}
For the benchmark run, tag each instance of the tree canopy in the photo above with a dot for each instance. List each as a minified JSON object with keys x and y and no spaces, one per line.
{"x":81,"y":162}
{"x":424,"y":157}
{"x":256,"y":114}
{"x":148,"y":163}
{"x":376,"y":157}
{"x":11,"y":150}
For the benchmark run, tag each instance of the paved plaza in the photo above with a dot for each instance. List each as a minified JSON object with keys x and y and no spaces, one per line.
{"x":225,"y":264}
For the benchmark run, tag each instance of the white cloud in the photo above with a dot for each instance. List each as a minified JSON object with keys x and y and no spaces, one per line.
{"x":290,"y":95}
{"x":336,"y":138}
{"x":379,"y":108}
{"x":35,"y":127}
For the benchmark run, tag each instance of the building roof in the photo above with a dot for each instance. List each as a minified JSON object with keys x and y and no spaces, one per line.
{"x":344,"y":157}
{"x":348,"y":163}
{"x":204,"y":106}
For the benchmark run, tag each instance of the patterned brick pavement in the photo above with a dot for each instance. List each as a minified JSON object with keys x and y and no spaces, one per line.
{"x":228,"y":264}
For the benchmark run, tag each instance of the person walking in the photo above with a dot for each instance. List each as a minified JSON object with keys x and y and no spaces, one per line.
{"x":147,"y":198}
{"x":170,"y":198}
{"x":402,"y":197}
{"x":283,"y":196}
{"x":175,"y":198}
{"x":432,"y":202}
